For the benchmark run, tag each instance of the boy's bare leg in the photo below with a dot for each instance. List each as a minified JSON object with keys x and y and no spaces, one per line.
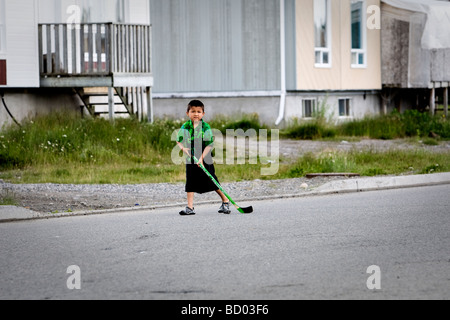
{"x":190,"y":197}
{"x":224,"y":198}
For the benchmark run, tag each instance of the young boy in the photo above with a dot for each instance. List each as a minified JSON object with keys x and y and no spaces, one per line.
{"x":196,"y":138}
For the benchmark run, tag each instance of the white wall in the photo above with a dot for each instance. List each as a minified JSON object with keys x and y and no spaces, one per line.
{"x":102,"y":11}
{"x":216,"y":45}
{"x":362,"y":104}
{"x":2,"y":29}
{"x":139,"y":11}
{"x":265,"y":107}
{"x":27,"y":103}
{"x":21,"y":43}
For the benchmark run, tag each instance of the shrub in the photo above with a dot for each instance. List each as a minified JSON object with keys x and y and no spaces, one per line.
{"x":384,"y":127}
{"x":411,"y":123}
{"x":309,"y":131}
{"x":244,"y":122}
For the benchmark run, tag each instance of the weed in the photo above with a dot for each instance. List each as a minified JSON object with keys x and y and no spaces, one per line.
{"x":431,"y":169}
{"x":411,"y":123}
{"x":7,"y":198}
{"x":369,"y":163}
{"x":430,"y":142}
{"x":244,"y":122}
{"x":310,"y":130}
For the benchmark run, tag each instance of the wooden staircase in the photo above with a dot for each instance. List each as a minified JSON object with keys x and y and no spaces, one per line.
{"x":108,"y":64}
{"x":128,"y":101}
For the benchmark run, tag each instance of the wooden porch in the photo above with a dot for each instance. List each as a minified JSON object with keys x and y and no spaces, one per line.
{"x":113,"y":58}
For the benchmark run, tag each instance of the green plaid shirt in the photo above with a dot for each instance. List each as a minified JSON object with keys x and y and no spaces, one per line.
{"x":200,"y":136}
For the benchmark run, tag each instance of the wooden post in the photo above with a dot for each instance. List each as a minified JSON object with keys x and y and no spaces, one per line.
{"x":141,"y":104}
{"x":446,"y":102}
{"x":90,"y":48}
{"x":134,"y":102}
{"x":49,"y":50}
{"x":433,"y":101}
{"x":82,"y":50}
{"x":57,"y":67}
{"x":73,"y":44}
{"x":150,"y":105}
{"x":111,"y":103}
{"x":41,"y":52}
{"x":65,"y":68}
{"x":384,"y":107}
{"x":99,"y":49}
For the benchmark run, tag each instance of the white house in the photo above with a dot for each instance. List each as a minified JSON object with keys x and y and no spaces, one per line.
{"x":66,"y":54}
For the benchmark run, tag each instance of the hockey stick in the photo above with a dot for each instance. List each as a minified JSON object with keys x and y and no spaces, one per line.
{"x":241,"y":210}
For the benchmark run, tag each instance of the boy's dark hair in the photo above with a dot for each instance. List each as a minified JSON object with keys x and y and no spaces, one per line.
{"x":196,"y":103}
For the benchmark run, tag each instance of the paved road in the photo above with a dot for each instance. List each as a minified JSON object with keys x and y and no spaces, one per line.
{"x":308,"y":248}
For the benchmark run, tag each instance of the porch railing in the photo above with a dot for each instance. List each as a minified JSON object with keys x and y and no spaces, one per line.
{"x":94,"y":49}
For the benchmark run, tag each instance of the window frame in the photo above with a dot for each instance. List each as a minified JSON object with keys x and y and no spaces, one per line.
{"x":347,"y":106}
{"x":313,"y":108}
{"x":321,"y":52}
{"x":361,"y":52}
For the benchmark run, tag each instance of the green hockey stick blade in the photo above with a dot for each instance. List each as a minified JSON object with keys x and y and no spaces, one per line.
{"x":241,"y":210}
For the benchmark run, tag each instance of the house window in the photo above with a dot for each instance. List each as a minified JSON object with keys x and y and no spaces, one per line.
{"x":309,"y":107}
{"x":2,"y":27}
{"x":358,"y":52}
{"x":344,"y":107}
{"x":322,"y":31}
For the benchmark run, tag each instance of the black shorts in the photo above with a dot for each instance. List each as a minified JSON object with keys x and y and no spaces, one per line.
{"x":197,"y":181}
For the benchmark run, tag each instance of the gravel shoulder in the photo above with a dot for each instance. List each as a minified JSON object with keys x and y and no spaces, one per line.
{"x":56,"y":198}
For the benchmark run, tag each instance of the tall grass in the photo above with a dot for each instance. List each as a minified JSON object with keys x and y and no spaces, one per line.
{"x":244,"y":122}
{"x":62,"y":148}
{"x":61,"y":138}
{"x":7,"y":198}
{"x":371,"y":163}
{"x":309,"y":130}
{"x":411,"y":123}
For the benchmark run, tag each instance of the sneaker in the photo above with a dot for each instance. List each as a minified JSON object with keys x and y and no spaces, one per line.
{"x":225,"y":208}
{"x":187,"y":212}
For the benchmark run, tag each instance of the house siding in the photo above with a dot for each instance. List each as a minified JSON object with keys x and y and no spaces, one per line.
{"x":21,"y":44}
{"x":216,"y":45}
{"x":340,"y":75}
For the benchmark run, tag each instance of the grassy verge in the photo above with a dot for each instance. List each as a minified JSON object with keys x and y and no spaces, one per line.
{"x":67,"y":150}
{"x":393,"y":126}
{"x":7,"y":199}
{"x":371,"y":163}
{"x":366,"y":163}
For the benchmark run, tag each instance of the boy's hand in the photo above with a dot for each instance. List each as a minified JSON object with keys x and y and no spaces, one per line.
{"x":187,"y":151}
{"x":200,"y":162}
{"x":205,"y":154}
